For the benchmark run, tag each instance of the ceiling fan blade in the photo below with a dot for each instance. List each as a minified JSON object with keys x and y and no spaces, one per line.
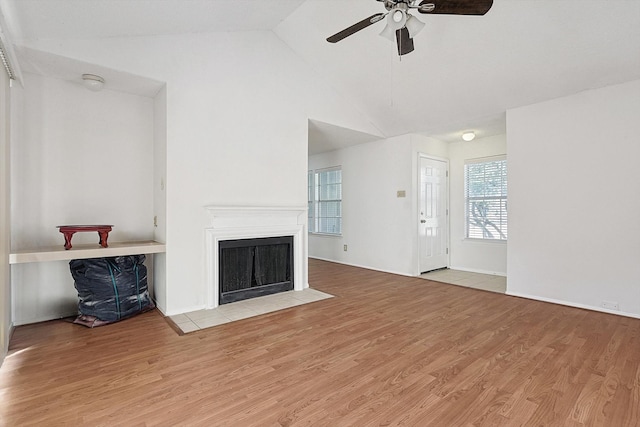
{"x":457,"y":7}
{"x":355,"y":28}
{"x":405,"y":43}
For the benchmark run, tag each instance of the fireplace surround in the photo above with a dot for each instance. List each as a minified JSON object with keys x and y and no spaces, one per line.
{"x":253,"y":222}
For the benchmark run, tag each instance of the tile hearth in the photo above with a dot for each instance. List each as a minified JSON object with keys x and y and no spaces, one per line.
{"x":201,"y":319}
{"x":486,"y":282}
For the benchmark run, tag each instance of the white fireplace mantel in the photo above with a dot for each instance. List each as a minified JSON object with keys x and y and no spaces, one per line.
{"x":255,"y":216}
{"x":249,"y":222}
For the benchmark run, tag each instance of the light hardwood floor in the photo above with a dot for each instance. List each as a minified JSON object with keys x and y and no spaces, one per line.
{"x":386,"y":350}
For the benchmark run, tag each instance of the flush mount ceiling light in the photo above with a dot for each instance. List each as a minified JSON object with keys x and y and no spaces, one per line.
{"x":92,"y":82}
{"x":468,"y":136}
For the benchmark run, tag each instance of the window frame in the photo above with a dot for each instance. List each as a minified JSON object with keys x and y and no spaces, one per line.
{"x":314,"y":202}
{"x":502,"y":198}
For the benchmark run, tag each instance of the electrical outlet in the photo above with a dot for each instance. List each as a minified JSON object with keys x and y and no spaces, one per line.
{"x":344,"y":248}
{"x":401,"y":193}
{"x":610,"y":305}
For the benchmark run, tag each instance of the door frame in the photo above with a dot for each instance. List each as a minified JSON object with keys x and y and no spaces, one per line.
{"x":416,"y":215}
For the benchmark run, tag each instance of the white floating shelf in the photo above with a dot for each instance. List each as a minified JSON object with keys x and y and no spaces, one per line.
{"x":59,"y":253}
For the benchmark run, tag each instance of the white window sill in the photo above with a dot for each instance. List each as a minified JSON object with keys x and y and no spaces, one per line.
{"x":490,"y":241}
{"x":324,"y":234}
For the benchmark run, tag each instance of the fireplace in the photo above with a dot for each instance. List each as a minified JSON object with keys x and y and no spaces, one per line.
{"x":250,"y":268}
{"x":235,"y":223}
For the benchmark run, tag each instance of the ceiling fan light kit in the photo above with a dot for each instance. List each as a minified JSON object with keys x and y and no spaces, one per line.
{"x":397,"y":18}
{"x":404,"y":26}
{"x":414,"y":25}
{"x":388,"y":33}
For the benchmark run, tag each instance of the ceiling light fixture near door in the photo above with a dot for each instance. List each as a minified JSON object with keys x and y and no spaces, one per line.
{"x":468,"y":136}
{"x":92,"y":82}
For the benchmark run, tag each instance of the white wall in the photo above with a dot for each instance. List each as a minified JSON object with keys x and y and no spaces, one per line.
{"x":5,"y":224}
{"x":469,"y":254}
{"x":574,"y":233}
{"x":84,"y":158}
{"x":379,"y":229}
{"x":159,"y":283}
{"x":237,"y":110}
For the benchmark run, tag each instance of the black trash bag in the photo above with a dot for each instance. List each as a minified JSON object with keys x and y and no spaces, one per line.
{"x":110,"y":289}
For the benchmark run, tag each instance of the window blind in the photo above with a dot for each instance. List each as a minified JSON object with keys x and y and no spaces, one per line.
{"x":486,"y":198}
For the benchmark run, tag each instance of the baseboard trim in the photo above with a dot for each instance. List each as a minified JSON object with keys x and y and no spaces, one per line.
{"x":362,"y":266}
{"x":573,"y":304}
{"x":5,"y":351}
{"x":186,"y":310}
{"x":40,"y":319}
{"x":162,"y":310}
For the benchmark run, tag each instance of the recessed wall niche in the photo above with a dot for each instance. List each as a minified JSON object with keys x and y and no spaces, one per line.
{"x":81,"y":157}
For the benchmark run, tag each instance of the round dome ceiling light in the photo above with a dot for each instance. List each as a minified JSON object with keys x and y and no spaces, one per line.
{"x":92,"y":82}
{"x":468,"y":136}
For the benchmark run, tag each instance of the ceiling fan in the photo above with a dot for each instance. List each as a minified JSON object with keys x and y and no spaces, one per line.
{"x":405,"y":26}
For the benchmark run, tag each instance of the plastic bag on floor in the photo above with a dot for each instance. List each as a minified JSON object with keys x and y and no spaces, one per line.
{"x":110,"y":289}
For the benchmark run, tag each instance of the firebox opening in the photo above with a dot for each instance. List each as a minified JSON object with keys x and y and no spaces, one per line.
{"x":251,"y":268}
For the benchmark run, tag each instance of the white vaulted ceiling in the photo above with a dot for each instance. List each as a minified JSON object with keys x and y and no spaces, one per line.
{"x":65,"y":19}
{"x":465,"y":72}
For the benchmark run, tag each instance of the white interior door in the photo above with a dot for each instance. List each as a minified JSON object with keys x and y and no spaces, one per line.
{"x":433,"y":214}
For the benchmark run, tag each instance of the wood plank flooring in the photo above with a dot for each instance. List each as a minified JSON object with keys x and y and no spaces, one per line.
{"x":387,"y":350}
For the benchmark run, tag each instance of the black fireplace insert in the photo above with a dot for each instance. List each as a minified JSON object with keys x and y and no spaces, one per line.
{"x":250,"y":268}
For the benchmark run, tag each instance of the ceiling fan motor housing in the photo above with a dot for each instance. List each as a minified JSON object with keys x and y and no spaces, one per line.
{"x":390,"y":4}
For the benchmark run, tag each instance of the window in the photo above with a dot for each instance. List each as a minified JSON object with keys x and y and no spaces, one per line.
{"x":325,"y":201}
{"x":311,"y":197}
{"x":486,"y":198}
